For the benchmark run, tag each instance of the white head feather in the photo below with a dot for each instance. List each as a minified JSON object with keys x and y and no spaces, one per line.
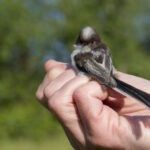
{"x":87,"y":32}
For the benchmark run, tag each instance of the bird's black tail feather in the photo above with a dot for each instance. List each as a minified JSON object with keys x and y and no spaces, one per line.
{"x":134,"y":92}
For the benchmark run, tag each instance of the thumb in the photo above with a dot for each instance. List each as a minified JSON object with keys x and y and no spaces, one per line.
{"x":98,"y":120}
{"x":88,"y":99}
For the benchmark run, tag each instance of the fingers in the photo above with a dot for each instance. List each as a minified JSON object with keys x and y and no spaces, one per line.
{"x":59,"y":81}
{"x":62,"y":104}
{"x":62,"y":97}
{"x":53,"y":69}
{"x":55,"y":92}
{"x":52,"y":63}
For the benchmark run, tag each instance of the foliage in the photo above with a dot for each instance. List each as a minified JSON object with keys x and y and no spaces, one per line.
{"x":56,"y":143}
{"x":32,"y":31}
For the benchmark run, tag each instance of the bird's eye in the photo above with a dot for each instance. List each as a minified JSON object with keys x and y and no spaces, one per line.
{"x":93,"y":42}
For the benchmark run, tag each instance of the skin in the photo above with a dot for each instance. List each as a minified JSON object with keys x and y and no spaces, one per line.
{"x":92,"y":116}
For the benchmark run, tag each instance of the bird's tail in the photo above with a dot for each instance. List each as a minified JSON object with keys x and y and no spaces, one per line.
{"x":129,"y":90}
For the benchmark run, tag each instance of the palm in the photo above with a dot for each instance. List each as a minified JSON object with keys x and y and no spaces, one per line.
{"x":128,"y":109}
{"x":125,"y":105}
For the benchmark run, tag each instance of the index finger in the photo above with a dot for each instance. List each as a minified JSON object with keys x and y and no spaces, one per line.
{"x":52,"y":63}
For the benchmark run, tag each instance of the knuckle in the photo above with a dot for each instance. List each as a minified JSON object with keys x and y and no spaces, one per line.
{"x":54,"y":64}
{"x":39,"y":94}
{"x":47,"y":92}
{"x":54,"y":72}
{"x":80,"y":93}
{"x":52,"y":99}
{"x":48,"y":64}
{"x":54,"y":103}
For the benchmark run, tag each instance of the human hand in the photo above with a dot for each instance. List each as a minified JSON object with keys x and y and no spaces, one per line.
{"x":92,"y":116}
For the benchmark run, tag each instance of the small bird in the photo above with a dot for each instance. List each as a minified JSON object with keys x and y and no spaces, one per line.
{"x":92,"y":57}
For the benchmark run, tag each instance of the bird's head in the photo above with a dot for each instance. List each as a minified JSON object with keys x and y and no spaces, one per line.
{"x":88,"y":37}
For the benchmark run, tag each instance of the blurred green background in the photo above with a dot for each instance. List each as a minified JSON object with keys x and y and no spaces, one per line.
{"x":33,"y":31}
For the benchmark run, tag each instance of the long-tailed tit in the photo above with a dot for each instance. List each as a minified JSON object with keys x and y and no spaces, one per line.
{"x":92,"y":57}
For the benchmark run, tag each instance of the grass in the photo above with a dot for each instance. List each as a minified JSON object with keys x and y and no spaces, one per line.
{"x":56,"y":143}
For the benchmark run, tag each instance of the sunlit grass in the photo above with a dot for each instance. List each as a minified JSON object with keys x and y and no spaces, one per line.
{"x":56,"y":143}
